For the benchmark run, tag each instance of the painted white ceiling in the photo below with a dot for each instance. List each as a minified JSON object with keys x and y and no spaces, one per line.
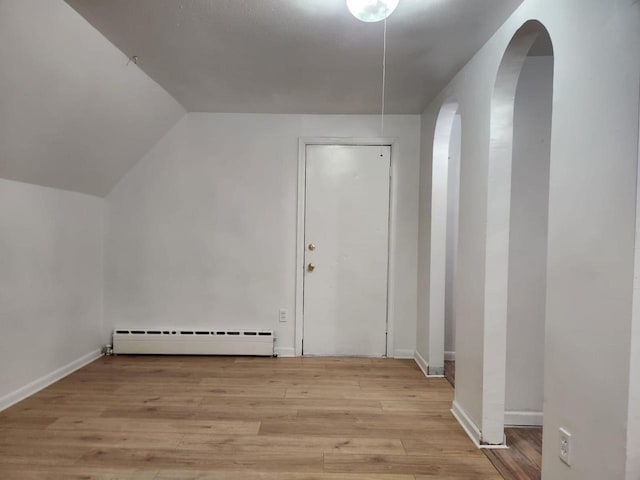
{"x":296,"y":56}
{"x":73,"y":115}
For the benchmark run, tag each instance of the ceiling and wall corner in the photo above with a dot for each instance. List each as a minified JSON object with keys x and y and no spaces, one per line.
{"x":296,"y":56}
{"x":74,"y":115}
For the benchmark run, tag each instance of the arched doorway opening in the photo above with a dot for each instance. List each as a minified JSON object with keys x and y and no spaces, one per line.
{"x":516,"y":240}
{"x":445,"y":188}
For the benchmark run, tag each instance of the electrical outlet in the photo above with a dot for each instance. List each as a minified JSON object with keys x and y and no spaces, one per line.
{"x":283,"y":315}
{"x":565,"y":446}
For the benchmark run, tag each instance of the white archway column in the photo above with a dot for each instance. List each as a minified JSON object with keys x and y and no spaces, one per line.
{"x":633,"y":415}
{"x":497,"y":232}
{"x":438,"y":253}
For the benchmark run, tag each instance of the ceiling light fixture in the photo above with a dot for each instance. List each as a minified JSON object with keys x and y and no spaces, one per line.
{"x":376,"y":11}
{"x":372,"y":10}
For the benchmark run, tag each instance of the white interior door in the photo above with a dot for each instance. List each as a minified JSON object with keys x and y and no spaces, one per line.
{"x":346,"y":250}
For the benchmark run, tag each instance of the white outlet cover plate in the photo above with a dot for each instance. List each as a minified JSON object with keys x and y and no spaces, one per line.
{"x":564,"y":446}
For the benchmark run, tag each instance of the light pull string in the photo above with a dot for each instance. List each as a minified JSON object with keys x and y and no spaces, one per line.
{"x":384,"y":76}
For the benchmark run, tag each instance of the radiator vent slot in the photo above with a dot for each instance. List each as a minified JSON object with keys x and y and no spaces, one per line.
{"x":251,"y":333}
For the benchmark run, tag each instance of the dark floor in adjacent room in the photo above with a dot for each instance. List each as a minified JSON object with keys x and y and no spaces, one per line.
{"x":523,"y":459}
{"x":450,"y":372}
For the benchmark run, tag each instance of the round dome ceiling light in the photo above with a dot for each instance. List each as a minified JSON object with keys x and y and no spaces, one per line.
{"x":372,"y":10}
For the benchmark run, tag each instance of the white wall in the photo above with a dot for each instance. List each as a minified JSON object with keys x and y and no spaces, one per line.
{"x":591,"y":227}
{"x":528,"y":237}
{"x":453,"y":195}
{"x":74,"y":115}
{"x":203,"y":229}
{"x":50,"y":284}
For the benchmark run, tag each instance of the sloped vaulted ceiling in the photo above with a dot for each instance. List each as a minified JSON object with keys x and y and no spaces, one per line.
{"x":73,"y":114}
{"x":296,"y":56}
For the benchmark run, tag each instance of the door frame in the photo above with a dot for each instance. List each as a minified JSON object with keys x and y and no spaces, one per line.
{"x":303,"y":142}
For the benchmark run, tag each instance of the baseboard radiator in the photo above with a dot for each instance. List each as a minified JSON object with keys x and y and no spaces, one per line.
{"x":193,"y":342}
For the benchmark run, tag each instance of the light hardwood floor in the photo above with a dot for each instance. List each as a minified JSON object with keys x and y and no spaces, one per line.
{"x":179,"y":418}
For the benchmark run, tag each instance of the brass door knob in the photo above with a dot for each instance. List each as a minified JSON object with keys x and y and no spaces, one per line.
{"x":311,"y":267}
{"x":311,"y":247}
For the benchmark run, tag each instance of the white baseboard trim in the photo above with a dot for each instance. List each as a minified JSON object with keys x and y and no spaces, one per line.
{"x":523,"y":419}
{"x":471,"y":428}
{"x":285,"y":351}
{"x":422,"y":363}
{"x":450,"y":356}
{"x":466,"y":423}
{"x":404,"y":354}
{"x":46,"y":380}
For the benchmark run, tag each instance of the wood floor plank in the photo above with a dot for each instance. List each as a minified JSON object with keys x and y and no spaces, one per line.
{"x":228,"y":475}
{"x":292,"y":444}
{"x":416,"y":406}
{"x":104,"y":400}
{"x":396,"y":418}
{"x":50,"y":454}
{"x":200,"y":413}
{"x":199,"y":459}
{"x":315,"y":427}
{"x":40,"y":411}
{"x":202,"y":390}
{"x":239,"y":427}
{"x":74,"y":473}
{"x":73,"y":438}
{"x":365,"y":394}
{"x":472,"y":466}
{"x":299,"y":404}
{"x":37,"y":422}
